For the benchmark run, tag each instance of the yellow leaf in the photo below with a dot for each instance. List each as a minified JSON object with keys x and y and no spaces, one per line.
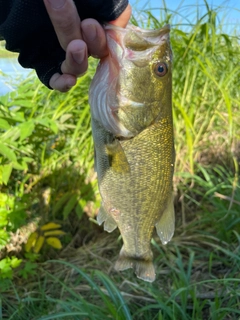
{"x":31,"y":241}
{"x":54,"y":242}
{"x":54,"y":233}
{"x":39,"y":244}
{"x":50,"y":225}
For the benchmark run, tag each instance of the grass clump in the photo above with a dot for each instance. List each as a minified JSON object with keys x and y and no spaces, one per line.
{"x":46,"y":167}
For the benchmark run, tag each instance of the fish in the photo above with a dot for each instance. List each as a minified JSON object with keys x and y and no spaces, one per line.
{"x":130,"y":100}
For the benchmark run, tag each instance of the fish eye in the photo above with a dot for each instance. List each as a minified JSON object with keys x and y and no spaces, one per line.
{"x":160,"y":69}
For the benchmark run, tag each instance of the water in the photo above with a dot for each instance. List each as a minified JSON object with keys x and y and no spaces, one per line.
{"x":10,"y":72}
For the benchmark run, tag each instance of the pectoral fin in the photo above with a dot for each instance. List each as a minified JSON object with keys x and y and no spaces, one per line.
{"x":166,"y":225}
{"x":117,"y":158}
{"x":109,"y":224}
{"x":102,"y":215}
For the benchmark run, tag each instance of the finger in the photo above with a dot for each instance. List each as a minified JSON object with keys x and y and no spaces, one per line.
{"x":62,"y":82}
{"x":95,"y":38}
{"x":65,"y":20}
{"x":76,"y":62}
{"x":123,"y":19}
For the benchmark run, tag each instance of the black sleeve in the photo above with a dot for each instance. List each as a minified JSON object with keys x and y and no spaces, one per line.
{"x":27,"y":29}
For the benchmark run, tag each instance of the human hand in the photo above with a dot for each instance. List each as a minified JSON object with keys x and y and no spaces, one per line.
{"x":78,"y":39}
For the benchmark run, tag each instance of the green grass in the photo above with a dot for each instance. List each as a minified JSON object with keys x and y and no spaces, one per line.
{"x":4,"y":53}
{"x":46,"y":168}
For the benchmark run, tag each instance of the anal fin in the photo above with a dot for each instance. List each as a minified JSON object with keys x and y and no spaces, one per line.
{"x":166,"y":225}
{"x":102,"y":215}
{"x":109,"y":223}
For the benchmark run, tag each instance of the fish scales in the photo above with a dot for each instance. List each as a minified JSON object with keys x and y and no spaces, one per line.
{"x":130,"y":98}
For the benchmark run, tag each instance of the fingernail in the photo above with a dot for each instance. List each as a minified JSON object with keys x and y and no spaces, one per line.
{"x":79,"y":56}
{"x":57,"y":4}
{"x":92,"y":32}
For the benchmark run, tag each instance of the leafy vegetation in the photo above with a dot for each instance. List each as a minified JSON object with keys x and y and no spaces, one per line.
{"x":4,"y":53}
{"x":46,"y":174}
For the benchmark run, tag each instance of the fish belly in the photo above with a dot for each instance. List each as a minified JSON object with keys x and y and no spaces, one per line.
{"x":137,"y":191}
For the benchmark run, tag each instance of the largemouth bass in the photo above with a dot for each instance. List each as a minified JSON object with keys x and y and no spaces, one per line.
{"x":131,"y":108}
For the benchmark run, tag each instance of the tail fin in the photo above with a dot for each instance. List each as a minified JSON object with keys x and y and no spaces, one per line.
{"x":143,"y":267}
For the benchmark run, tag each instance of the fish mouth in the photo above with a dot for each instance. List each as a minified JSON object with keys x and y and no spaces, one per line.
{"x":135,"y":44}
{"x":151,"y":33}
{"x":133,"y":36}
